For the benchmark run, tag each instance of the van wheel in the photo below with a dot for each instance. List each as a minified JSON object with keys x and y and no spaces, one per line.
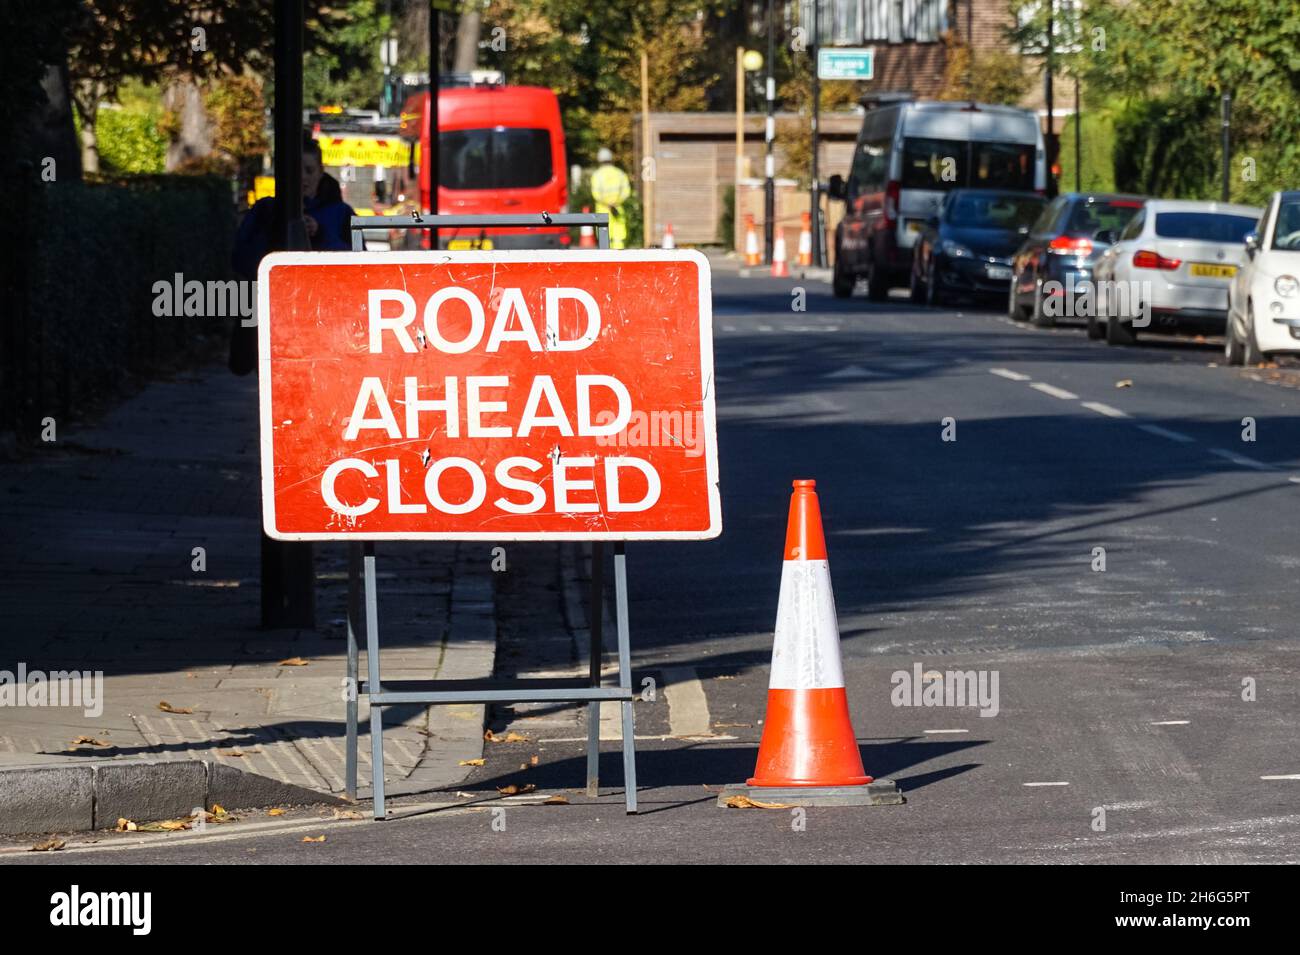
{"x":841,"y":283}
{"x":877,"y":284}
{"x":1119,"y":333}
{"x":1234,"y":351}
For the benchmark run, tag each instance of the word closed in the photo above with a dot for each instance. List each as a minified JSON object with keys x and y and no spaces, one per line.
{"x":496,"y":395}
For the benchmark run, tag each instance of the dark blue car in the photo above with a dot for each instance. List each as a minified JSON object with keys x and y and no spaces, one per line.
{"x":965,"y":250}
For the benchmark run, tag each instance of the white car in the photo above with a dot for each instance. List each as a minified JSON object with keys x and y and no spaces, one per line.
{"x":1171,"y":267}
{"x":1264,"y":301}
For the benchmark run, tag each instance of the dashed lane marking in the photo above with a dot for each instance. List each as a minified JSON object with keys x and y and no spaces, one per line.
{"x":1290,"y":776}
{"x":1054,"y":391}
{"x":1171,"y":723}
{"x":1166,"y":433}
{"x":1046,"y":784}
{"x":1241,"y":459}
{"x":938,"y":732}
{"x":1008,"y":374}
{"x":688,"y":707}
{"x":1105,"y":409}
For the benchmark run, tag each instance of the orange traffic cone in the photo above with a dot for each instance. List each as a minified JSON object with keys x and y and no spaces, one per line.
{"x":780,"y":267}
{"x":752,"y":256}
{"x":805,"y":240}
{"x":808,"y":739}
{"x":669,"y":242}
{"x":586,"y":233}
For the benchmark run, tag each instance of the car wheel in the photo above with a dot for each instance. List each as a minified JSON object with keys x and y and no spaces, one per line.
{"x":877,"y":284}
{"x":1234,"y":351}
{"x":1096,"y":330}
{"x":842,"y":282}
{"x":1014,"y":311}
{"x":1037,"y":316}
{"x":1118,"y":332}
{"x":934,"y":295}
{"x":1253,"y":356}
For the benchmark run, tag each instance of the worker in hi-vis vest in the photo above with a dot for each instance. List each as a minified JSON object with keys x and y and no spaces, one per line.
{"x":610,"y":188}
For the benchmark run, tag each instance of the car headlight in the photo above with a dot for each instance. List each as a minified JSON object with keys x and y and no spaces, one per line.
{"x":1286,"y":286}
{"x":955,"y":249}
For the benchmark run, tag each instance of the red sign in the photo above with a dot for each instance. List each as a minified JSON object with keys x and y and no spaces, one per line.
{"x":489,"y":395}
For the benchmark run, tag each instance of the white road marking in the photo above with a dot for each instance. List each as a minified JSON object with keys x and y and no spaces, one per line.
{"x":1241,"y":459}
{"x":1291,"y":776}
{"x":937,"y":732}
{"x":1054,"y":391}
{"x":1046,"y":784}
{"x":688,"y":707}
{"x":1008,"y":374}
{"x":1107,"y":410}
{"x":1170,"y":723}
{"x":661,"y":738}
{"x":1166,"y":433}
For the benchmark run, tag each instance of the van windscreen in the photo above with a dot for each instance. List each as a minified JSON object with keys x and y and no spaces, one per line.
{"x":494,"y":158}
{"x":943,"y":164}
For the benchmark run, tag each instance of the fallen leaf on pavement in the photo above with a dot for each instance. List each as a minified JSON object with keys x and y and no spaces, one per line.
{"x":167,"y":825}
{"x":168,"y":708}
{"x":533,"y":760}
{"x":346,"y":814}
{"x":744,"y":802}
{"x":293,"y":662}
{"x":472,"y":762}
{"x":313,"y":838}
{"x":1124,"y":383}
{"x":126,"y":825}
{"x":555,"y":801}
{"x":515,"y":789}
{"x":275,"y":812}
{"x":88,"y":741}
{"x":53,"y":845}
{"x":492,"y":737}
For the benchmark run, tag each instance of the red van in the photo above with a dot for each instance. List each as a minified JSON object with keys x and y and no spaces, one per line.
{"x":500,"y":150}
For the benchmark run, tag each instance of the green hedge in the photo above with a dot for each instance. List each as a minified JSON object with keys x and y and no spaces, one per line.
{"x":82,"y":327}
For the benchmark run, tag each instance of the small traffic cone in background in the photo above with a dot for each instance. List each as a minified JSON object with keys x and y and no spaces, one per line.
{"x":809,"y":753}
{"x":752,"y":255}
{"x":780,"y":267}
{"x":586,"y":233}
{"x":805,"y":240}
{"x":669,"y":242}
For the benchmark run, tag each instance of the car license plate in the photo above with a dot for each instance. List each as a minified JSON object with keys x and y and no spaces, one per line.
{"x":469,"y":245}
{"x":998,"y":271}
{"x":1207,"y":271}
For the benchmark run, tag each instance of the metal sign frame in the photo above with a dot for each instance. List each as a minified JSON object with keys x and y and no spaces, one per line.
{"x":362,"y":589}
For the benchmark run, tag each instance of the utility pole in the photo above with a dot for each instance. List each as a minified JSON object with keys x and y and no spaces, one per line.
{"x":769,"y":138}
{"x":740,"y":116}
{"x":1226,"y":118}
{"x":1078,"y":139}
{"x":288,"y":570}
{"x":647,"y":171}
{"x":1051,"y":123}
{"x":815,"y":192}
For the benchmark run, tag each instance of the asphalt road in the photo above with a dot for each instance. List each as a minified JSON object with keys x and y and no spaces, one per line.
{"x":1119,"y":691}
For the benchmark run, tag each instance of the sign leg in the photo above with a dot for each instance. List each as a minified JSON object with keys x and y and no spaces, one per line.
{"x":372,"y":666}
{"x":625,"y":676}
{"x":596,"y":631}
{"x":352,"y":688}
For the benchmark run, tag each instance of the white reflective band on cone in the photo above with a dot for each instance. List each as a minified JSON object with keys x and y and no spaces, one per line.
{"x":806,"y":649}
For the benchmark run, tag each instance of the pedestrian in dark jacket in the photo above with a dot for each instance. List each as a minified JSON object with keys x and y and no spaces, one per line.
{"x":326,"y":219}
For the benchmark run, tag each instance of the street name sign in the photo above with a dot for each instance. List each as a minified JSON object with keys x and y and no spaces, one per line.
{"x":846,"y":64}
{"x":512,"y":395}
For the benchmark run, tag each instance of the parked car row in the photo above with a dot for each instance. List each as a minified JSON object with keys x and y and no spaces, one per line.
{"x":948,"y":200}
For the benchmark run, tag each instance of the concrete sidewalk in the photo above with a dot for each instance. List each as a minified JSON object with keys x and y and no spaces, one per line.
{"x":99,"y":559}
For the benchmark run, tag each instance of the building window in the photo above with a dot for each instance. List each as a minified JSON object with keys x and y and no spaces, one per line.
{"x":849,"y":22}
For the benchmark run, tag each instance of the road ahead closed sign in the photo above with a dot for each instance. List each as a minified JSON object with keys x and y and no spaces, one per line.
{"x":501,"y":396}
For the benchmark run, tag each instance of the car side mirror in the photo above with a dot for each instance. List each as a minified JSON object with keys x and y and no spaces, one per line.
{"x":835,"y":188}
{"x":1252,"y":243}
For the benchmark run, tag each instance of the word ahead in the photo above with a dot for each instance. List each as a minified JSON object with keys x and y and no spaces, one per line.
{"x":494,"y":395}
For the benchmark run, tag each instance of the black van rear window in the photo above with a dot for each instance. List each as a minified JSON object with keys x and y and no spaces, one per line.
{"x":943,"y":164}
{"x":494,"y":158}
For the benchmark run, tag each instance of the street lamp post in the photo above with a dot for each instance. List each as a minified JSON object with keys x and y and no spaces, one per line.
{"x":815,"y":192}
